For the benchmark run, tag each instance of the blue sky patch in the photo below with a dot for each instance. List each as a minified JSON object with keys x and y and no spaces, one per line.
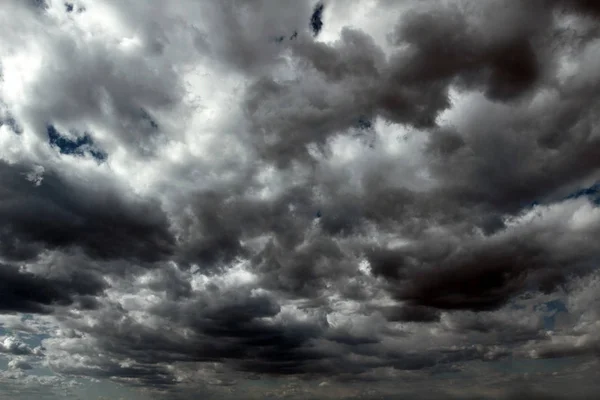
{"x":553,"y":307}
{"x":316,"y":19}
{"x":364,"y":123}
{"x":592,"y":192}
{"x":78,"y":146}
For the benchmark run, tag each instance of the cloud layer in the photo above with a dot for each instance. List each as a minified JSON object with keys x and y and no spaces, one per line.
{"x":343,"y":199}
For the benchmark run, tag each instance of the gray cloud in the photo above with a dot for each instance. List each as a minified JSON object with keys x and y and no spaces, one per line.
{"x":62,"y":214}
{"x":26,"y":292}
{"x":302,"y":200}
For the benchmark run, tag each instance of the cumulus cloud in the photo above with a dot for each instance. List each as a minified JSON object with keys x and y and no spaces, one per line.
{"x":13,"y":345}
{"x":19,"y":363}
{"x":339,"y":199}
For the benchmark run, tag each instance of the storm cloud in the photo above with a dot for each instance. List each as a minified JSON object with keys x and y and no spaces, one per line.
{"x":298,"y":199}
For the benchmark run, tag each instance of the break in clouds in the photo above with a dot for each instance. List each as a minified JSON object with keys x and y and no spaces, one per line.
{"x":259,"y":199}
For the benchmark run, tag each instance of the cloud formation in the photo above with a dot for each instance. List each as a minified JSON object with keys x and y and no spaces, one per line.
{"x":342,"y":199}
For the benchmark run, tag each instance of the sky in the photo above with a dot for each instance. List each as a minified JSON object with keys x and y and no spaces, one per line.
{"x":261,"y":199}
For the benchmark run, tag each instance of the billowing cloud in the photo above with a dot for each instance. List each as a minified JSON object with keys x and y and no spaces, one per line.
{"x":18,"y":363}
{"x":23,"y":291}
{"x":299,"y":199}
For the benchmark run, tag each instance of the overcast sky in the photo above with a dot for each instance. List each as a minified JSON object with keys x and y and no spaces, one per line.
{"x":284,"y":199}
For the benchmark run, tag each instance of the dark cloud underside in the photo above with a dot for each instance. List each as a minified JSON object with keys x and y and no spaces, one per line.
{"x":343,"y":199}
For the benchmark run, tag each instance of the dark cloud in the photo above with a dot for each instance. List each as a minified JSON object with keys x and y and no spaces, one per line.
{"x":584,"y":7}
{"x":410,"y":313}
{"x":221,"y":326}
{"x":196,"y":193}
{"x":438,"y":48}
{"x":223,"y":219}
{"x":59,"y":214}
{"x":443,"y":45}
{"x":29,"y":293}
{"x":485,"y":274}
{"x":305,"y":272}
